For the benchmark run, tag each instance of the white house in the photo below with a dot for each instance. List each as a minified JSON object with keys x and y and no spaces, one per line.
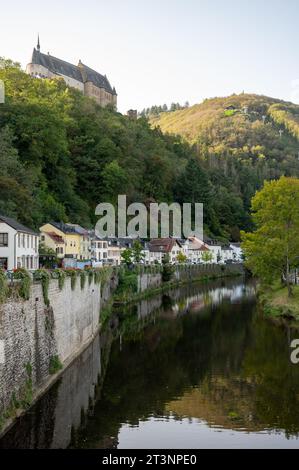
{"x":99,"y":250}
{"x":226,"y":253}
{"x":18,"y":245}
{"x":237,"y":252}
{"x":158,"y":247}
{"x":215,"y":248}
{"x":196,"y":248}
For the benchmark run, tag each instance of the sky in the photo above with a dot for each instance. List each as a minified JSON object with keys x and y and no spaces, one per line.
{"x":163,"y":51}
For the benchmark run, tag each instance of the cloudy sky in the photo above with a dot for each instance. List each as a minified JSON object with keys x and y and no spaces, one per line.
{"x":159,"y":51}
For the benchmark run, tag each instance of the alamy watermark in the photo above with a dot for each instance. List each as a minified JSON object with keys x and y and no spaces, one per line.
{"x":295,"y":353}
{"x":159,"y":220}
{"x":2,"y":92}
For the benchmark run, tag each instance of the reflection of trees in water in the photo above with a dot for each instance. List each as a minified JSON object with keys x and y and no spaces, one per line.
{"x":214,"y":367}
{"x":221,"y":363}
{"x":171,"y":357}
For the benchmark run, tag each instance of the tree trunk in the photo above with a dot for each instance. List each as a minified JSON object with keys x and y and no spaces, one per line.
{"x":289,"y":286}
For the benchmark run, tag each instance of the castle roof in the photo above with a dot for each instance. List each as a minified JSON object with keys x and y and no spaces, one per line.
{"x":81,"y":73}
{"x":55,"y":65}
{"x":100,"y":81}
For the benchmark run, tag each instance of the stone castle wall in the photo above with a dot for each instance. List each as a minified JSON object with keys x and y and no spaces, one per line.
{"x":31,"y":335}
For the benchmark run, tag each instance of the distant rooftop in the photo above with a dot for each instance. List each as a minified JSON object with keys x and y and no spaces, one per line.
{"x":16,"y":225}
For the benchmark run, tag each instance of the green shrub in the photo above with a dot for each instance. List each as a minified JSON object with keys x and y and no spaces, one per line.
{"x":60,"y":275}
{"x":44,"y":276}
{"x":23,"y":275}
{"x":3,"y":287}
{"x":82,"y":279}
{"x":72,"y":273}
{"x":55,"y":365}
{"x":127,"y":284}
{"x":167,"y":270}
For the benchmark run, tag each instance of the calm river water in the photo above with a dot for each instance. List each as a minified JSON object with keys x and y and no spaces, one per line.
{"x":195,"y":368}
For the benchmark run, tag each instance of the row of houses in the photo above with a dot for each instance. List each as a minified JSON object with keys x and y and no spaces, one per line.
{"x":74,"y":246}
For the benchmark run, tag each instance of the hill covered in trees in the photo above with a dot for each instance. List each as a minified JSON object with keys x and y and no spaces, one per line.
{"x":240,"y":140}
{"x":61,"y":155}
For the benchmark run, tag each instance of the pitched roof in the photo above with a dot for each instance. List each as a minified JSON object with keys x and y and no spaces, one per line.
{"x":56,"y":238}
{"x":55,"y":65}
{"x":16,"y":225}
{"x":65,"y":228}
{"x":100,"y":81}
{"x":196,"y":244}
{"x":77,"y":228}
{"x":82,"y":73}
{"x":162,"y":245}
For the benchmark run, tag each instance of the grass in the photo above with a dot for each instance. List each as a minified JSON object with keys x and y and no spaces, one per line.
{"x":276,"y":302}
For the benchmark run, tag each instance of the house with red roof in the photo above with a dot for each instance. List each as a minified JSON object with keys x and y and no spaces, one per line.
{"x":158,"y":247}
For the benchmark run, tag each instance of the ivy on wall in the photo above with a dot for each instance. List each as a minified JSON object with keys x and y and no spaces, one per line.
{"x":60,"y":275}
{"x":44,"y":276}
{"x":25,"y":282}
{"x":3,"y":287}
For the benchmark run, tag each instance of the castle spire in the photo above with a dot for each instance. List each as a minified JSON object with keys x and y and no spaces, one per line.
{"x":38,"y":43}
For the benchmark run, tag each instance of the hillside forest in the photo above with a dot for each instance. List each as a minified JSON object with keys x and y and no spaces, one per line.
{"x":61,"y":154}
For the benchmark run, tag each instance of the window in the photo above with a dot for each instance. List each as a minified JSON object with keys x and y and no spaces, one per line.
{"x":19,"y":240}
{"x":3,"y":263}
{"x":23,"y":242}
{"x":3,"y":239}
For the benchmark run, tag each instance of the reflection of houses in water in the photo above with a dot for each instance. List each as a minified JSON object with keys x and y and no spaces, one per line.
{"x":214,"y":297}
{"x":181,"y":301}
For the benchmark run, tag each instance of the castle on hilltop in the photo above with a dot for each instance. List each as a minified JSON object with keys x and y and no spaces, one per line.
{"x":81,"y":77}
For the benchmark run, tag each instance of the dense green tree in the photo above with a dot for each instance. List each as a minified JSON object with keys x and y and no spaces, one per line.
{"x":137,"y":251}
{"x":272,"y":250}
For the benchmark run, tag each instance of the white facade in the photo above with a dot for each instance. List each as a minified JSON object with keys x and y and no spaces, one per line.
{"x":18,"y":248}
{"x":99,"y":250}
{"x":227,"y":254}
{"x":237,"y":252}
{"x":155,"y":257}
{"x":216,"y":252}
{"x":114,"y":255}
{"x":39,"y":71}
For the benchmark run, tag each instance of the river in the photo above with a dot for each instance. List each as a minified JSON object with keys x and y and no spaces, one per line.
{"x":198,"y":367}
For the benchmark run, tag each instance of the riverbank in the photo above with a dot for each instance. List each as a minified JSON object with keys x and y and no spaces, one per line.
{"x":130,"y":291}
{"x":277,"y":304}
